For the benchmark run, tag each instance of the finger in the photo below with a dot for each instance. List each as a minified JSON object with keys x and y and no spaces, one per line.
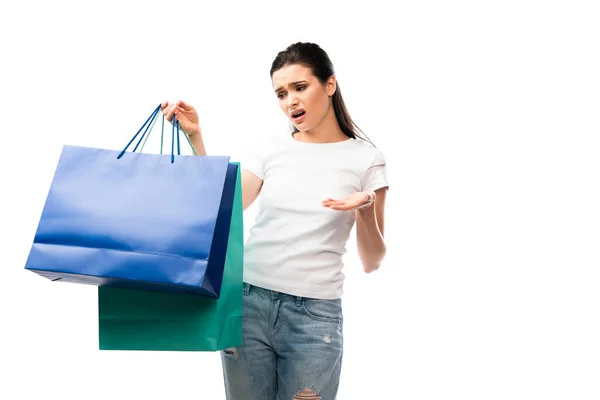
{"x":339,"y":207}
{"x":179,"y":113}
{"x":165,"y":108}
{"x":170,"y":111}
{"x":185,"y":106}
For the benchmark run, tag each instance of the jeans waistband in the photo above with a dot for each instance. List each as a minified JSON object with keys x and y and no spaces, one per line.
{"x":274,"y":295}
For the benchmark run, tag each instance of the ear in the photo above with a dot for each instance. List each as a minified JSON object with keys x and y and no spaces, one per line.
{"x":331,"y":85}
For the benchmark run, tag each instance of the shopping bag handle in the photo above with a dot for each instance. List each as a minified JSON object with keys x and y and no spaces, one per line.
{"x":149,"y":124}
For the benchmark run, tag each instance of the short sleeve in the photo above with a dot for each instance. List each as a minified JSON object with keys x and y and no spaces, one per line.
{"x":252,"y":160}
{"x":376,"y":175}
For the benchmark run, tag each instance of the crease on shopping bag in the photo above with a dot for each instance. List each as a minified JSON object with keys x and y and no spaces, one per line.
{"x":48,"y":243}
{"x":99,"y":267}
{"x":68,"y":277}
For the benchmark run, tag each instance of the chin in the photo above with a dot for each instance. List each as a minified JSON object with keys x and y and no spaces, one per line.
{"x":303,"y":128}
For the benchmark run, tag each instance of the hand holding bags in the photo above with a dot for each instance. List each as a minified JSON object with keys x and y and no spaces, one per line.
{"x":135,"y":220}
{"x":162,"y":237}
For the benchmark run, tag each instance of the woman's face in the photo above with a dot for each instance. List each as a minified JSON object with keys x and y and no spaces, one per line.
{"x":300,"y":92}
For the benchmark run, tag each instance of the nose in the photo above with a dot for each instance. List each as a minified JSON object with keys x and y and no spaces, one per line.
{"x":292,"y":101}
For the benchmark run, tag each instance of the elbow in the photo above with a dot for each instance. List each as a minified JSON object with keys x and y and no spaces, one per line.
{"x":371,"y":268}
{"x":373,"y":265}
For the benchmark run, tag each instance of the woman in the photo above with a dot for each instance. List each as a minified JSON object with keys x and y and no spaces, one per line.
{"x":314,"y":185}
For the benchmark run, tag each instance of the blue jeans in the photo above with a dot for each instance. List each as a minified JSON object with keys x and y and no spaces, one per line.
{"x":292,"y":347}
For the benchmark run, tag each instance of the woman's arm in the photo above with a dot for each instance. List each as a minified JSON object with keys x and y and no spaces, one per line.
{"x":369,"y":225}
{"x":370,"y":232}
{"x":197,"y":142}
{"x":251,"y":185}
{"x":188,"y":119}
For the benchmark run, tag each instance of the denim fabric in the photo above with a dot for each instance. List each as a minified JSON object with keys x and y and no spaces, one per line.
{"x":289,"y":344}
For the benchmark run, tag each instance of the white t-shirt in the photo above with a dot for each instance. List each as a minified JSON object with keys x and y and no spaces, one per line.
{"x":296,"y":245}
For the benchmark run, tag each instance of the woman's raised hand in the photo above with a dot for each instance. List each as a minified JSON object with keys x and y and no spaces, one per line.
{"x":184,"y":113}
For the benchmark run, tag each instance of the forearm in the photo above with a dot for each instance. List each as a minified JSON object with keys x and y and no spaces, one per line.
{"x":197,"y":142}
{"x":370,"y":240}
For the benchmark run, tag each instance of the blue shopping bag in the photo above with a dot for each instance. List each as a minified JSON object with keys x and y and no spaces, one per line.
{"x":151,"y":321}
{"x":133,"y":220}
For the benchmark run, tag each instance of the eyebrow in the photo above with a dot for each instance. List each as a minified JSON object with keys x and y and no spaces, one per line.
{"x":292,"y":83}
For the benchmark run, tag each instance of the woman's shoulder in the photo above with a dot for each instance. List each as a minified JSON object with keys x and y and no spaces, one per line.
{"x":368,"y":151}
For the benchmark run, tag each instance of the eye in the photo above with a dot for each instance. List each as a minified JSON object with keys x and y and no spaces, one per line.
{"x":280,"y":95}
{"x":301,"y":88}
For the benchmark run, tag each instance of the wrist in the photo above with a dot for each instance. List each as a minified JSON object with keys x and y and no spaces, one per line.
{"x":369,"y":200}
{"x":193,"y":133}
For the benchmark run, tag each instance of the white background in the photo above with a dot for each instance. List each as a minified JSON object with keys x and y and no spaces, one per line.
{"x":488,"y":114}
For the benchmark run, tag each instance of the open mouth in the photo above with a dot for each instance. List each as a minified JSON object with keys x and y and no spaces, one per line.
{"x":298,"y":116}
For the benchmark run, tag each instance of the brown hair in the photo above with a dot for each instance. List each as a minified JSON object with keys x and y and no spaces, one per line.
{"x":314,"y":57}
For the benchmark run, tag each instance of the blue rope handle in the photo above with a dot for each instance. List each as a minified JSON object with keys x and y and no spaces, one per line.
{"x":172,"y":139}
{"x":150,"y":118}
{"x":149,"y":124}
{"x":173,"y":125}
{"x":148,"y":135}
{"x":162,"y":134}
{"x":178,"y":145}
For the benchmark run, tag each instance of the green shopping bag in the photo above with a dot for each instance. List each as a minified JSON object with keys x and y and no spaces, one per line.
{"x":143,"y":320}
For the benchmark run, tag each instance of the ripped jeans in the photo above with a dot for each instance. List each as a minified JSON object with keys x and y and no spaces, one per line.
{"x":292,"y":348}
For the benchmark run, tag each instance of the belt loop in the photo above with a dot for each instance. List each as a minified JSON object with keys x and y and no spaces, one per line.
{"x":246,"y":288}
{"x":298,"y":301}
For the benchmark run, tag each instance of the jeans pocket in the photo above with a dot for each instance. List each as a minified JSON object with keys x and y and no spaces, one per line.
{"x":323,"y":310}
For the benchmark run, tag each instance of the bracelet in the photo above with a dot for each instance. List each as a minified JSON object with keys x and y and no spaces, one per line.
{"x":370,"y":199}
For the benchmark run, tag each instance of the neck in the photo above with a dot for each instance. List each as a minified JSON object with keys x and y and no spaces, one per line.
{"x":327,"y":130}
